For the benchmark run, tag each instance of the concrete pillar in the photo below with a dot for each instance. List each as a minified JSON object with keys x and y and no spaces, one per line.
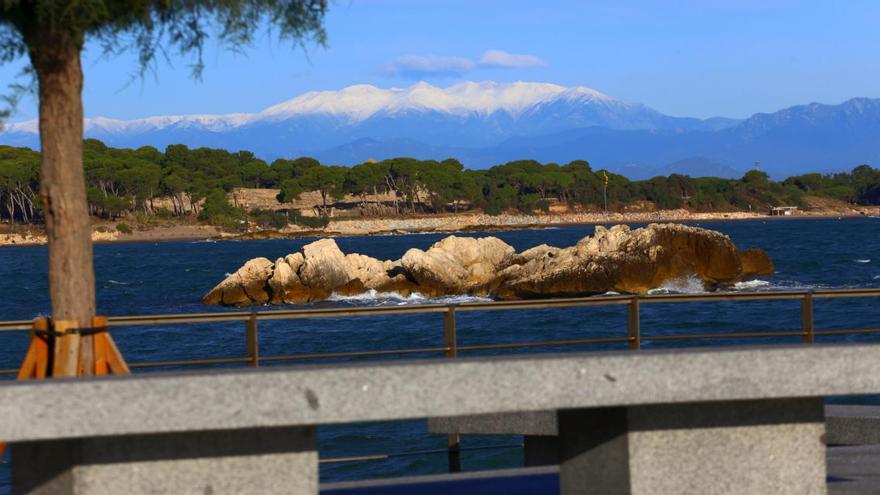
{"x":265,"y":461}
{"x":738,"y":447}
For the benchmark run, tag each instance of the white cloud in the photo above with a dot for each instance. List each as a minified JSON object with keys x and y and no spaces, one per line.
{"x":419,"y":66}
{"x":502,"y":59}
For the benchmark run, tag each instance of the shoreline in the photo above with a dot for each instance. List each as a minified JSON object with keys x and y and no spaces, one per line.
{"x":441,"y":224}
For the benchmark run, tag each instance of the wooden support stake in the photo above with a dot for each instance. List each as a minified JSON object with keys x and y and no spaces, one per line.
{"x":86,"y":359}
{"x":114,"y":358}
{"x":29,"y":365}
{"x":41,"y":345}
{"x":66,"y":349}
{"x":117,"y":364}
{"x":102,"y":366}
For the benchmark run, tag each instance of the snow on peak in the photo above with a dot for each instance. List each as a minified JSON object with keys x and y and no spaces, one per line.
{"x":583,"y":92}
{"x":360,"y":102}
{"x":356,"y":102}
{"x":31,"y":126}
{"x":210,"y":122}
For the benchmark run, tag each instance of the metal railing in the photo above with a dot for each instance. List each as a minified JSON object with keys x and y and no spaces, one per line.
{"x":451,"y":349}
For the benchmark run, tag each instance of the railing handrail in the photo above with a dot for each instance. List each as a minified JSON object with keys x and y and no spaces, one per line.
{"x":289,"y":314}
{"x":633,"y":337}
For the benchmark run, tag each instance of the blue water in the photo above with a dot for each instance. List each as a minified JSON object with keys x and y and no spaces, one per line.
{"x":171,"y":277}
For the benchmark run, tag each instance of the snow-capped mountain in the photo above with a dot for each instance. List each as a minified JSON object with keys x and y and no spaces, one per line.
{"x":360,"y":102}
{"x":487,"y":123}
{"x":466,"y":114}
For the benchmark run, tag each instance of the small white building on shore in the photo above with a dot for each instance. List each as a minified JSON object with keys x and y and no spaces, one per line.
{"x":783,"y":211}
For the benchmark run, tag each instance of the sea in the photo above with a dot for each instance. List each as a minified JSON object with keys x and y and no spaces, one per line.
{"x":171,"y":277}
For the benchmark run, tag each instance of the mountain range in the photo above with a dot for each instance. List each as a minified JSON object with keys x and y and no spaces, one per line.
{"x":487,"y":123}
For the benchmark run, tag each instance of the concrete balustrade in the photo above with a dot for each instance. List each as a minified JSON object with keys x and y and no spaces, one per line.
{"x":844,"y":425}
{"x":699,"y":421}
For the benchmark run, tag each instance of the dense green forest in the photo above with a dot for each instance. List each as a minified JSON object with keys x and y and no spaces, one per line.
{"x":126,"y":182}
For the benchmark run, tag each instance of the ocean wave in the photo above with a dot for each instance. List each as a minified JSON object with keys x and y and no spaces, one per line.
{"x":682,"y":285}
{"x":114,"y":282}
{"x":801,"y":286}
{"x":864,"y":260}
{"x":693,"y":285}
{"x":758,"y":285}
{"x":747,"y":285}
{"x":374,"y":298}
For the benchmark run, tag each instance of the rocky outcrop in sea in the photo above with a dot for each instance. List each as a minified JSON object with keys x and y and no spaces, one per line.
{"x":617,"y":259}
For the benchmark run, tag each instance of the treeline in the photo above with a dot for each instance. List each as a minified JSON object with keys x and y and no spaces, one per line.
{"x":181,"y":181}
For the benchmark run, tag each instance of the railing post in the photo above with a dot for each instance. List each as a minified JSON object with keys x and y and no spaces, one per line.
{"x":450,"y":341}
{"x":807,"y":325}
{"x":449,"y":333}
{"x":633,"y":325}
{"x":253,"y":342}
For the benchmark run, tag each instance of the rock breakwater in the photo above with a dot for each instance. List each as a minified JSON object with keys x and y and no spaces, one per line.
{"x":616,"y":259}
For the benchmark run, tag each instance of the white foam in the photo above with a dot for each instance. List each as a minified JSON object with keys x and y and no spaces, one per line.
{"x":111,"y":281}
{"x":862,"y":261}
{"x":751,"y":284}
{"x":795,"y":285}
{"x":372,"y":297}
{"x":682,"y":285}
{"x":459,"y":299}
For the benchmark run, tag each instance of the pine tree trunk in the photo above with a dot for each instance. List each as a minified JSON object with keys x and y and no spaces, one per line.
{"x":62,"y":182}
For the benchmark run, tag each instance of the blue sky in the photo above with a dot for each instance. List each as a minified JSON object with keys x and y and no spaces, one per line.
{"x":688,"y":57}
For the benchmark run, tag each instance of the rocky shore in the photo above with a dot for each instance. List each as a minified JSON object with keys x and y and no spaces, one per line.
{"x":466,"y":222}
{"x":616,"y":259}
{"x":108,"y":233}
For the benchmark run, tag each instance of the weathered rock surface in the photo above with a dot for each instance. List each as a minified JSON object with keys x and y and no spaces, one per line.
{"x":245,"y":286}
{"x":622,"y":260}
{"x":324,"y":269}
{"x":616,"y":259}
{"x":457,"y":265}
{"x":756,"y":262}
